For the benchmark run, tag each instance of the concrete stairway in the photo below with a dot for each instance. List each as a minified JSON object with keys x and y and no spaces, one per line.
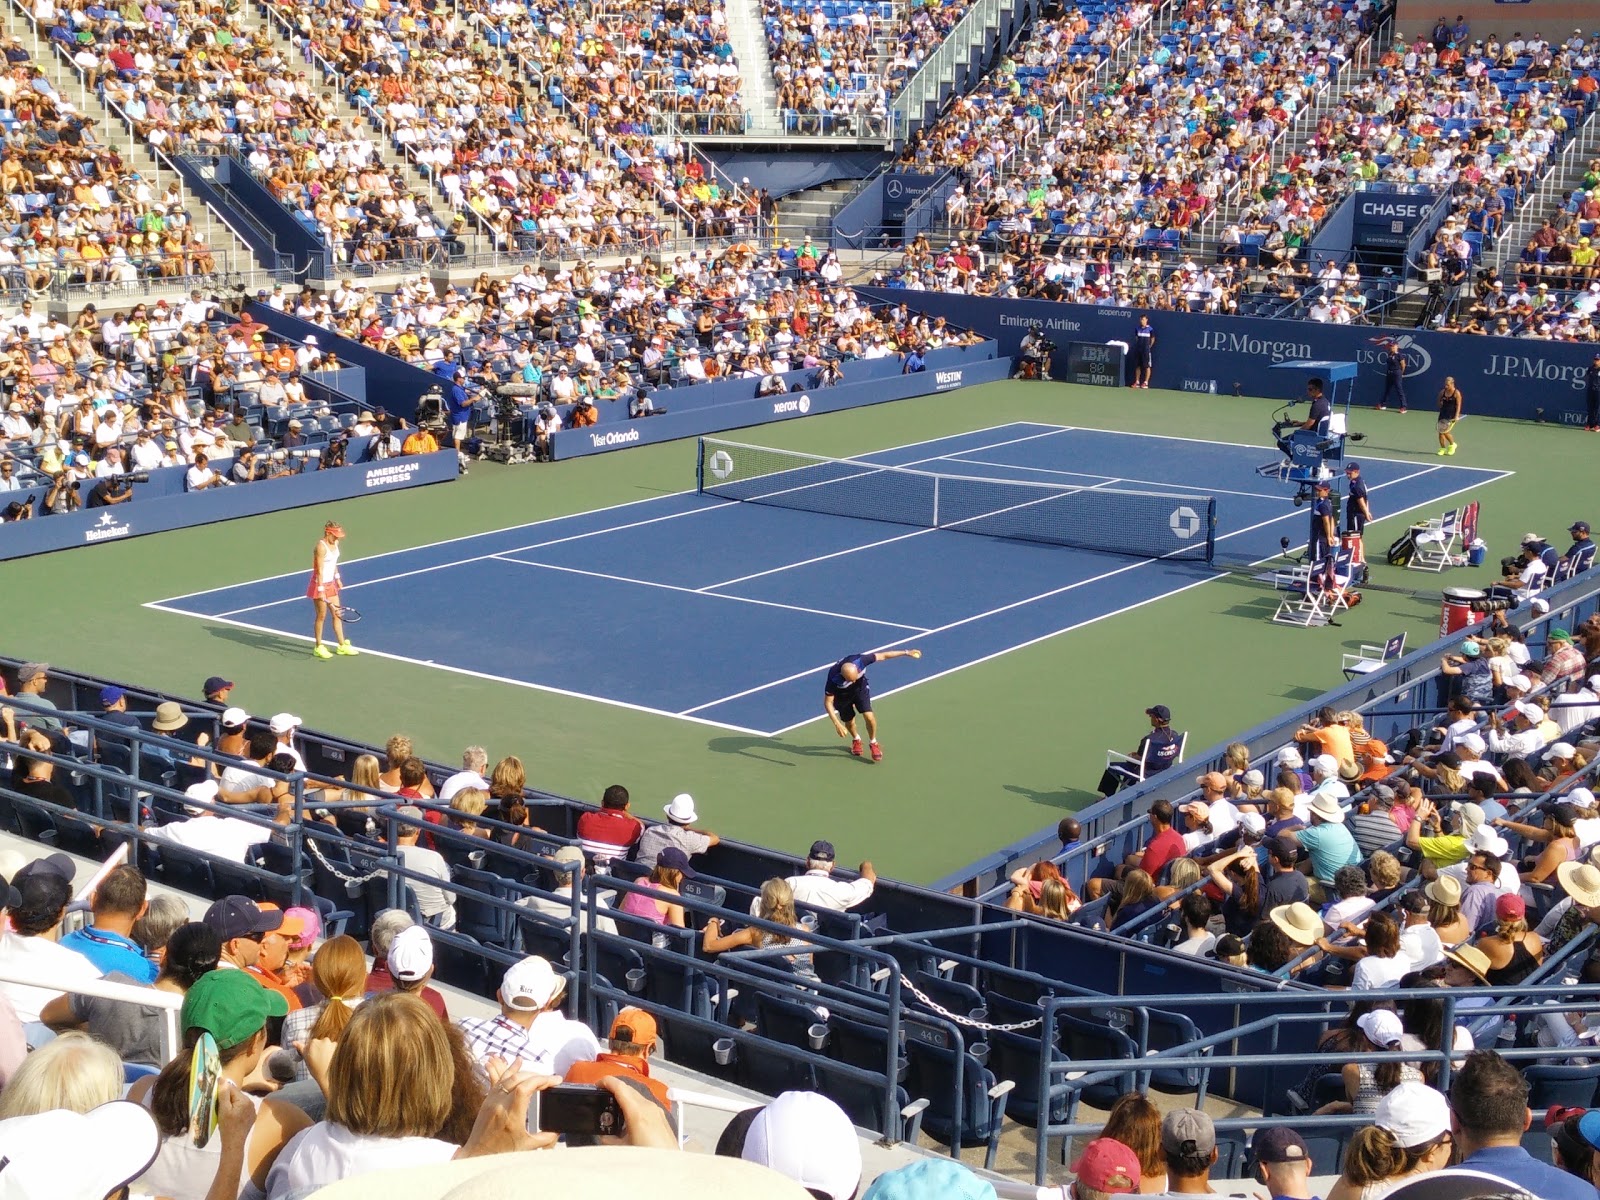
{"x":236,"y":262}
{"x":1563,"y":177}
{"x":747,"y":35}
{"x":810,"y":213}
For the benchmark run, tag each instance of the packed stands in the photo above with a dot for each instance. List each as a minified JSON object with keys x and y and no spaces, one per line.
{"x":549,"y":148}
{"x":111,"y":397}
{"x":588,"y":344}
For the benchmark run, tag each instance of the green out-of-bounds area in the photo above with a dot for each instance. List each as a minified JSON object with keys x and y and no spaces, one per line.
{"x":975,"y":759}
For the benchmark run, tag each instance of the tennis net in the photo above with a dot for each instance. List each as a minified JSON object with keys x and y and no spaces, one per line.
{"x":1116,"y":521}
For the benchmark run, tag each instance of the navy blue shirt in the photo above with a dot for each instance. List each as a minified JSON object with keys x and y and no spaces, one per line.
{"x":1321,"y":513}
{"x":837,"y":685}
{"x":1581,"y":556}
{"x":1144,"y":338}
{"x":111,"y":952}
{"x":1321,"y":410}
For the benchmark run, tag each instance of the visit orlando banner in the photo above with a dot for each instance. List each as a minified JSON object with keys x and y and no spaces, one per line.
{"x":1198,"y":352}
{"x":171,"y":508}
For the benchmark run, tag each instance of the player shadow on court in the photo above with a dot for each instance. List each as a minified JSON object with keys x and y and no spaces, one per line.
{"x":258,"y":640}
{"x":747,"y":747}
{"x":1069,"y":798}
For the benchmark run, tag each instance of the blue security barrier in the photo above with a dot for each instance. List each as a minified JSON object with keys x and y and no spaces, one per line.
{"x":1211,"y":354}
{"x":162,"y":504}
{"x":713,"y":407}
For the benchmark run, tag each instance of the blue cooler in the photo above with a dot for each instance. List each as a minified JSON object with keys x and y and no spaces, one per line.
{"x":1477,"y":552}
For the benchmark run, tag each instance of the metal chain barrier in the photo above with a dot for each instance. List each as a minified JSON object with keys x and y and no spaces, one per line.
{"x":967,"y":1022}
{"x":350,"y":881}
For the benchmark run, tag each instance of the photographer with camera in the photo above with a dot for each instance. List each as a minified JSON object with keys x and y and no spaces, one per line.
{"x":17,"y":510}
{"x":200,"y":477}
{"x":1034,"y":354}
{"x":113,"y":489}
{"x":62,"y":495}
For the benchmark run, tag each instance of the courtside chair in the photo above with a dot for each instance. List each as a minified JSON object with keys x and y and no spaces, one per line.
{"x":1436,"y":540}
{"x":1368,"y":659}
{"x":1131,"y":769}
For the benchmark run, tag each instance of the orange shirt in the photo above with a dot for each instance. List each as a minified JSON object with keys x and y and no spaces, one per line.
{"x":273,"y":984}
{"x":619,"y":1064}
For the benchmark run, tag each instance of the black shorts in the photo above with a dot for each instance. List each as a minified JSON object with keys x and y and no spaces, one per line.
{"x":857,"y":700}
{"x":1354,"y":521}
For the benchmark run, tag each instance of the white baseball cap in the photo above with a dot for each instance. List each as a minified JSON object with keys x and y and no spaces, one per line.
{"x":411,"y":954}
{"x":234,"y":717}
{"x":1413,"y":1113}
{"x":1326,"y":764}
{"x":681,"y":810}
{"x":808,"y":1138}
{"x":530,"y":984}
{"x":1473,"y":742}
{"x":286,"y":723}
{"x":45,"y":1157}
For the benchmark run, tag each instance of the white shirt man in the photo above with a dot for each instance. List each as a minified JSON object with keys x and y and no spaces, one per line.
{"x":437,"y":905}
{"x":530,"y":1033}
{"x":818,"y":888}
{"x":560,"y":908}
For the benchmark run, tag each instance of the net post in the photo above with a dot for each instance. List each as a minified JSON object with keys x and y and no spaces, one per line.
{"x":1211,"y":530}
{"x":936,"y":502}
{"x":700,"y":466}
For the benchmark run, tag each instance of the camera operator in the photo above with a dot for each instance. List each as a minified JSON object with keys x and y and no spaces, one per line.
{"x":17,"y":510}
{"x":1521,"y":576}
{"x":1035,"y":353}
{"x":200,"y":476}
{"x":62,"y":495}
{"x":333,"y":454}
{"x":113,"y":489}
{"x":545,"y":427}
{"x":641,"y":405}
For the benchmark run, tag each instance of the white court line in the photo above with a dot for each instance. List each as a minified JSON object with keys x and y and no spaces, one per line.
{"x":806,"y":562}
{"x":489,"y":533}
{"x":1499,"y":475}
{"x":669,"y":587}
{"x":1209,"y":491}
{"x":1170,"y":437}
{"x":438,"y":666}
{"x":461,"y":562}
{"x":1048,"y":595}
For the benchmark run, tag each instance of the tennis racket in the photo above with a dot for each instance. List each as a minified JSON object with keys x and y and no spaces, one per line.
{"x":205,"y":1078}
{"x":345,"y":613}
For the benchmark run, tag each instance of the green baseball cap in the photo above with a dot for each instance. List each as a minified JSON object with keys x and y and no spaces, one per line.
{"x":230,"y":1005}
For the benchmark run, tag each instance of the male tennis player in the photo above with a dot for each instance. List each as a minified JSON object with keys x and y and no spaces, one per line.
{"x":846,"y":693}
{"x":323,"y":591}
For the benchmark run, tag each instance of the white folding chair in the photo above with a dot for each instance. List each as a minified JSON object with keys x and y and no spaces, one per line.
{"x":1368,"y":659}
{"x":1132,"y":769}
{"x":1315,"y":600}
{"x":1437,"y":540}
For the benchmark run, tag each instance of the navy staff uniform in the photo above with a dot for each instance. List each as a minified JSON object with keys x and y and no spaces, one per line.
{"x":1355,"y":506}
{"x":850,"y":698}
{"x":1320,"y":549}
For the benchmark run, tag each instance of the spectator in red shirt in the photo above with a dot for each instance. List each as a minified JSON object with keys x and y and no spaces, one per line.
{"x":386,"y":927}
{"x":1165,"y":844}
{"x":610,"y":831}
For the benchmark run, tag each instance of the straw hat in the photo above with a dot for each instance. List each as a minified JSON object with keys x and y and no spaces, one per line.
{"x":1445,"y":890}
{"x":1581,"y":881}
{"x":1326,"y":807}
{"x":1299,"y":920}
{"x":1472,"y":959}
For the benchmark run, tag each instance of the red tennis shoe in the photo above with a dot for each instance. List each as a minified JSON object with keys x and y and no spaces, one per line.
{"x":877,"y":752}
{"x":855,"y":747}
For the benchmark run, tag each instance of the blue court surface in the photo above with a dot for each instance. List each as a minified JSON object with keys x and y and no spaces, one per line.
{"x":728,"y":613}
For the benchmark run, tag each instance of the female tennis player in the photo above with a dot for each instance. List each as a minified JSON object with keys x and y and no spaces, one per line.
{"x":846,"y":693}
{"x":323,"y":591}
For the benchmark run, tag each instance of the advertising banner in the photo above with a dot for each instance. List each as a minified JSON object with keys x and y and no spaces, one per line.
{"x":171,"y":508}
{"x":1521,"y":378}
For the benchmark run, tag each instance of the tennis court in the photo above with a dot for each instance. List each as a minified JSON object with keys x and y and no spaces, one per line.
{"x":711,"y":609}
